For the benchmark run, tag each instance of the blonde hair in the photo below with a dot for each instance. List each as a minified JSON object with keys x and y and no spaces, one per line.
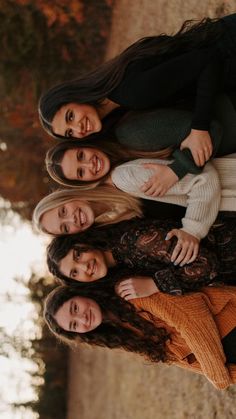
{"x":120,"y":205}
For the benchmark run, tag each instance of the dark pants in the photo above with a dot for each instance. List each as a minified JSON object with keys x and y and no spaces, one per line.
{"x":229,"y":345}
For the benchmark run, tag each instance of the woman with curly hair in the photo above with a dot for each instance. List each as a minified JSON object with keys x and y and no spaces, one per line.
{"x":142,"y":248}
{"x":196,"y":331}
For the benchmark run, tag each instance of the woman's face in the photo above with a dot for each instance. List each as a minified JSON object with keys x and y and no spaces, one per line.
{"x":85,"y":164}
{"x":76,"y":120}
{"x":85,"y":266}
{"x":69,"y":218}
{"x":79,"y":314}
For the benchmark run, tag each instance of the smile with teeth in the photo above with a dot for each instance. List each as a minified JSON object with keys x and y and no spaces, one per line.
{"x":85,"y":126}
{"x":97,"y":164}
{"x":88,"y":125}
{"x":82,"y":217}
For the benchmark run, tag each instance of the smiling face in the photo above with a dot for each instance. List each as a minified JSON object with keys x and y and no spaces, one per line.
{"x":69,"y":218}
{"x":76,"y":120}
{"x":85,"y":164}
{"x":79,"y":314}
{"x":84,"y":266}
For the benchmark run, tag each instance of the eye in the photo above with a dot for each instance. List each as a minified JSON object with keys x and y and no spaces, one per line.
{"x":80,"y":173}
{"x":76,"y":308}
{"x":74,"y":325}
{"x":76,"y":255}
{"x":80,"y":155}
{"x":73,"y":273}
{"x":62,"y":211}
{"x":65,"y":229}
{"x":70,"y":116}
{"x":69,"y":133}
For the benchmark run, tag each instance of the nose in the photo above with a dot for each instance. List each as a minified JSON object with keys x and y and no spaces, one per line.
{"x":83,"y":266}
{"x":83,"y":319}
{"x":87,"y":164}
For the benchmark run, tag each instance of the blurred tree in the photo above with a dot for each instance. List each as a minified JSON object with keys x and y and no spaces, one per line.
{"x":49,"y":377}
{"x":42,"y":43}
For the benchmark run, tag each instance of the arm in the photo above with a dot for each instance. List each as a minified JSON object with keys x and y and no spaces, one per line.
{"x":138,"y":286}
{"x":192,"y":319}
{"x":145,"y":250}
{"x":201,"y":193}
{"x":161,"y":128}
{"x":153,"y":83}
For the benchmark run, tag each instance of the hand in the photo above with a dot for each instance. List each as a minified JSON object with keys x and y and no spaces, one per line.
{"x":186,"y":249}
{"x":136,"y":287}
{"x":200,"y":145}
{"x":162,"y":180}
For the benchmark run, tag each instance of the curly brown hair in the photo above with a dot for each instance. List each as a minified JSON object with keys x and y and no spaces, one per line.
{"x":126,"y":329}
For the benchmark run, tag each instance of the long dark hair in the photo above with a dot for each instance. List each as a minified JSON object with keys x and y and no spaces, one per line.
{"x":93,"y":87}
{"x":59,"y":247}
{"x":116,"y":153}
{"x":126,"y":329}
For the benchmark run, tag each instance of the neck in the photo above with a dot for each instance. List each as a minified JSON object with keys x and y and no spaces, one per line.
{"x":109,"y":182}
{"x":106,"y":107}
{"x":110,"y":261}
{"x":99,"y":208}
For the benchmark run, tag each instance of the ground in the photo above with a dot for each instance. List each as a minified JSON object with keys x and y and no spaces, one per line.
{"x":107,"y":384}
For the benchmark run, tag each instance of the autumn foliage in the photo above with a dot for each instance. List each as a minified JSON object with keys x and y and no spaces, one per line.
{"x":42,"y":42}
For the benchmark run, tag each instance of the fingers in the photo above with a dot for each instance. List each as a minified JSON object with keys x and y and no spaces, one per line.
{"x":186,"y":248}
{"x":152,"y":188}
{"x":125,"y":289}
{"x":171,"y":234}
{"x":199,"y":157}
{"x":195,"y":253}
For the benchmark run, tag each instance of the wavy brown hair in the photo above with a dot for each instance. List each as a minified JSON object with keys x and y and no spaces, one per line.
{"x":116,"y":153}
{"x":125,"y":329}
{"x":95,"y":86}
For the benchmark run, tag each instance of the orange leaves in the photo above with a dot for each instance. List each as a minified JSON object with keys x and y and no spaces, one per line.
{"x":58,"y":11}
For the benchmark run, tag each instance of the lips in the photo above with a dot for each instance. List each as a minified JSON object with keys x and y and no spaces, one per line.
{"x":82,"y":218}
{"x":88,"y":125}
{"x":94,"y":267}
{"x":98,"y":164}
{"x":89,"y":318}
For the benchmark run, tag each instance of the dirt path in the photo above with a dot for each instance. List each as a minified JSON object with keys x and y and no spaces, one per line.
{"x":108,"y":385}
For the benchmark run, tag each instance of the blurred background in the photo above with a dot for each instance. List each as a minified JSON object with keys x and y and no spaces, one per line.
{"x":42,"y":43}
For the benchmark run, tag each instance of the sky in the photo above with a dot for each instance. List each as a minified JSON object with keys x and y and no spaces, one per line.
{"x":21,"y":251}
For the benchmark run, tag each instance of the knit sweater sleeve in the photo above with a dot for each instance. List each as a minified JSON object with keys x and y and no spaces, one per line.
{"x":199,"y":193}
{"x":192,"y":319}
{"x":158,"y":129}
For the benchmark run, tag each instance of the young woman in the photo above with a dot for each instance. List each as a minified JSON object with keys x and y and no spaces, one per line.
{"x":152,"y":73}
{"x":85,"y":167}
{"x":195,"y":331}
{"x":142,"y":247}
{"x":71,"y":211}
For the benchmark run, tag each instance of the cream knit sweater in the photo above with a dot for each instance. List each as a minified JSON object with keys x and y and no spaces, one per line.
{"x":203,"y":195}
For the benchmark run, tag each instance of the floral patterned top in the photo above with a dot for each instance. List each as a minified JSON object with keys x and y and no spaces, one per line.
{"x":142,"y":247}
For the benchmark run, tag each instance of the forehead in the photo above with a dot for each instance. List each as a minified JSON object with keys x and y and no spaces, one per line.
{"x":62,"y":315}
{"x":50,"y":221}
{"x":69,"y":163}
{"x":66,"y":263}
{"x":59,"y":122}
